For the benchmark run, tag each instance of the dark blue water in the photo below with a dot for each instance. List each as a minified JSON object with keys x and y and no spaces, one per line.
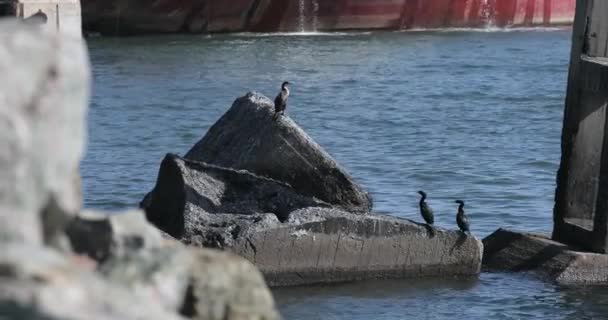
{"x":460,"y":114}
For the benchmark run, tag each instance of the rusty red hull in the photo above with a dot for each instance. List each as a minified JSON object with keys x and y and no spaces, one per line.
{"x":170,"y":16}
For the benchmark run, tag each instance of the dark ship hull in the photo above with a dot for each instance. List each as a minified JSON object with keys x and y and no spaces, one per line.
{"x":200,"y":16}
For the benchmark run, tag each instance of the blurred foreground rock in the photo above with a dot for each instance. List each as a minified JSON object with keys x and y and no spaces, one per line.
{"x":57,"y":262}
{"x":116,"y":235}
{"x":43,"y":102}
{"x":294,"y":213}
{"x":40,"y":283}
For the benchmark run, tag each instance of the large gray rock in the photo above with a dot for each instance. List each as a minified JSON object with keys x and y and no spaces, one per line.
{"x":247,"y":137}
{"x":302,"y":225}
{"x":551,"y":260}
{"x":43,"y":102}
{"x":39,"y":283}
{"x":337,"y":246}
{"x":322,"y":245}
{"x":185,"y":184}
{"x":198,"y":283}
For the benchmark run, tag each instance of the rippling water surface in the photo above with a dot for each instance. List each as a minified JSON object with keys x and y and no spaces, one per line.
{"x":461,"y":114}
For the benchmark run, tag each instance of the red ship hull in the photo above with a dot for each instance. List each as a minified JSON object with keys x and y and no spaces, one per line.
{"x":169,"y":16}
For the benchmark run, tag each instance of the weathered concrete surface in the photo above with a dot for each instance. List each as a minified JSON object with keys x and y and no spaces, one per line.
{"x":183,"y":184}
{"x":344,"y":247}
{"x":247,"y":138}
{"x":506,"y":250}
{"x":320,"y":245}
{"x":42,"y":130}
{"x":581,"y":206}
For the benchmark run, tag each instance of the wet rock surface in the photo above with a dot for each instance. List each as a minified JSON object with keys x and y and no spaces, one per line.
{"x":506,"y":250}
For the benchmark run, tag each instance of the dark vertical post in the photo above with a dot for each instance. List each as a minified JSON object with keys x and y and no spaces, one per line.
{"x":581,"y":208}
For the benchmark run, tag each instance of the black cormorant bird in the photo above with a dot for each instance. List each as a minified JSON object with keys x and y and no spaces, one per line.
{"x":425,"y":210}
{"x":280,"y":102}
{"x":461,"y":218}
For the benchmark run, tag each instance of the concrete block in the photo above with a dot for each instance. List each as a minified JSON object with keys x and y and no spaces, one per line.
{"x":581,"y":206}
{"x":506,"y":250}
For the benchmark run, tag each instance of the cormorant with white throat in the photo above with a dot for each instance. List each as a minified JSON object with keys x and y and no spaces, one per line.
{"x":425,"y":210}
{"x":461,"y":218}
{"x":280,"y":102}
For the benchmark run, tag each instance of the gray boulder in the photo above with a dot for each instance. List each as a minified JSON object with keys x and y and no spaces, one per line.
{"x":187,"y":189}
{"x":290,"y":209}
{"x":45,"y":88}
{"x":198,"y":283}
{"x":247,"y":138}
{"x":40,"y":283}
{"x":323,"y":245}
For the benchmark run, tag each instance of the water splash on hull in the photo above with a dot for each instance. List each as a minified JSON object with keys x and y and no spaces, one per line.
{"x":308,"y":13}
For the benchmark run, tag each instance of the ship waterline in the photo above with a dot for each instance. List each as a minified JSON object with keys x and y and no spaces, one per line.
{"x":212,"y":16}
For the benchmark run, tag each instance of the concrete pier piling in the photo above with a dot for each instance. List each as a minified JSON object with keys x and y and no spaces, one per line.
{"x":578,"y":249}
{"x":581,"y":208}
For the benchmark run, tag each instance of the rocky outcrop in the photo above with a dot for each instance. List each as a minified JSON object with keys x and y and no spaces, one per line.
{"x":506,"y":250}
{"x":109,"y":266}
{"x":185,"y":184}
{"x":42,"y":143}
{"x":320,"y":245}
{"x":294,"y":221}
{"x":247,"y":138}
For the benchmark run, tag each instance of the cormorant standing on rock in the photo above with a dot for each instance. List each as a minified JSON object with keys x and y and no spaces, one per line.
{"x":425,"y":210}
{"x":280,"y":102}
{"x":461,"y":218}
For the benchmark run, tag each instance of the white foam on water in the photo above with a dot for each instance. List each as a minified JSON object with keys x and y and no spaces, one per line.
{"x":487,"y":29}
{"x":299,"y":34}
